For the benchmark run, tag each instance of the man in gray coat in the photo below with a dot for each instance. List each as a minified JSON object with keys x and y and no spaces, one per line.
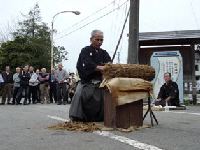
{"x":61,"y":77}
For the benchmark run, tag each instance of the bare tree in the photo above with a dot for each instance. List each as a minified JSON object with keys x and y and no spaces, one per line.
{"x":7,"y":30}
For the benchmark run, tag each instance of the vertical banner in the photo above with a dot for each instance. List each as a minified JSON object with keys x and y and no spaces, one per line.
{"x":167,"y":62}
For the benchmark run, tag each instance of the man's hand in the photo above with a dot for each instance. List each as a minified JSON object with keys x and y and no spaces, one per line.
{"x":99,"y":68}
{"x":159,"y":99}
{"x":60,"y":81}
{"x":168,"y":99}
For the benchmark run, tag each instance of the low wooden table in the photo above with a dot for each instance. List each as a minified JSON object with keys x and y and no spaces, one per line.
{"x":123,"y":116}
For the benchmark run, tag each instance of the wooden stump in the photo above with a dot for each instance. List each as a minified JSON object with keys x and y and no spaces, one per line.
{"x":122,"y":116}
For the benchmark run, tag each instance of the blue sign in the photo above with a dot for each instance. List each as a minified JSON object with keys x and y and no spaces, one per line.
{"x":165,"y":54}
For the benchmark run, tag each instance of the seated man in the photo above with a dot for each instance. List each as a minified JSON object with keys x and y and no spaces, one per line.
{"x":88,"y":100}
{"x":168,"y":92}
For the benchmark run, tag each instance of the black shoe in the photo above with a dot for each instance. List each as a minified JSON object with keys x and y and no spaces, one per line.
{"x":2,"y":103}
{"x":13,"y":103}
{"x":59,"y":103}
{"x":18,"y":103}
{"x":9,"y":103}
{"x":25,"y":103}
{"x":64,"y":103}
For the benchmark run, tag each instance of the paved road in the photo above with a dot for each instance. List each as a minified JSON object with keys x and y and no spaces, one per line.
{"x":22,"y":128}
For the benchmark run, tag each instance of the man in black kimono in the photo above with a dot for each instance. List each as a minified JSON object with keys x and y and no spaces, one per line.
{"x":88,"y":101}
{"x":168,"y":92}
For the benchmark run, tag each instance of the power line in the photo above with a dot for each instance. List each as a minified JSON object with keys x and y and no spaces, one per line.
{"x":87,"y":17}
{"x":112,"y":24}
{"x":148,"y":24}
{"x":120,"y":36}
{"x":92,"y":21}
{"x":121,"y":46}
{"x":114,"y":37}
{"x":118,"y":58}
{"x":114,"y":30}
{"x":194,"y":14}
{"x":155,"y":22}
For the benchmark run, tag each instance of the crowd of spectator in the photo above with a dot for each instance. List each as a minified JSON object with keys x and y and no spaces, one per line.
{"x":28,"y":86}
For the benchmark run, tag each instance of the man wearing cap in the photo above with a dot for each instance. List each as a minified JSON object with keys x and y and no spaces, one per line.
{"x":72,"y":76}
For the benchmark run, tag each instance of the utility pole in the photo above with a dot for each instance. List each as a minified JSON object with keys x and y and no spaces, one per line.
{"x":133,"y":32}
{"x":52,"y":45}
{"x":194,"y":90}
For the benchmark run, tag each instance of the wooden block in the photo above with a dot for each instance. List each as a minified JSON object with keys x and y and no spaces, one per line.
{"x":136,"y":111}
{"x":109,"y":110}
{"x":122,"y":116}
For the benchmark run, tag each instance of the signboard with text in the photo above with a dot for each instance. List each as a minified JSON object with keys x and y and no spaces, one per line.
{"x":167,"y":62}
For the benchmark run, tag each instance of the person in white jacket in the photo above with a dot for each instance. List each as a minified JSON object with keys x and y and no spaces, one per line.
{"x":1,"y":81}
{"x":33,"y":82}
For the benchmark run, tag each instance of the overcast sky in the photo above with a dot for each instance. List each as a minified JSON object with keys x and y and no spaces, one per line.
{"x":155,"y":15}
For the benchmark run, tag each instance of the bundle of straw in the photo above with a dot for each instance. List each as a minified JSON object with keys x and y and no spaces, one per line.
{"x":128,"y":71}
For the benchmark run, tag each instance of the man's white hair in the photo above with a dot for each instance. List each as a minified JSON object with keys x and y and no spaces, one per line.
{"x":44,"y":69}
{"x":93,"y":33}
{"x":60,"y":64}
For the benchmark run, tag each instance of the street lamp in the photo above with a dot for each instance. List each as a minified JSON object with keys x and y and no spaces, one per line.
{"x":76,"y":13}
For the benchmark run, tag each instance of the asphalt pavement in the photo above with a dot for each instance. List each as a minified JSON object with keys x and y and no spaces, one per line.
{"x":23,"y":128}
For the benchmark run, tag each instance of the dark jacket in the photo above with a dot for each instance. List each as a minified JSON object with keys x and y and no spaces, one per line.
{"x":170,"y":89}
{"x":42,"y":77}
{"x":52,"y":80}
{"x":25,"y":77}
{"x":7,"y":78}
{"x":88,"y":60}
